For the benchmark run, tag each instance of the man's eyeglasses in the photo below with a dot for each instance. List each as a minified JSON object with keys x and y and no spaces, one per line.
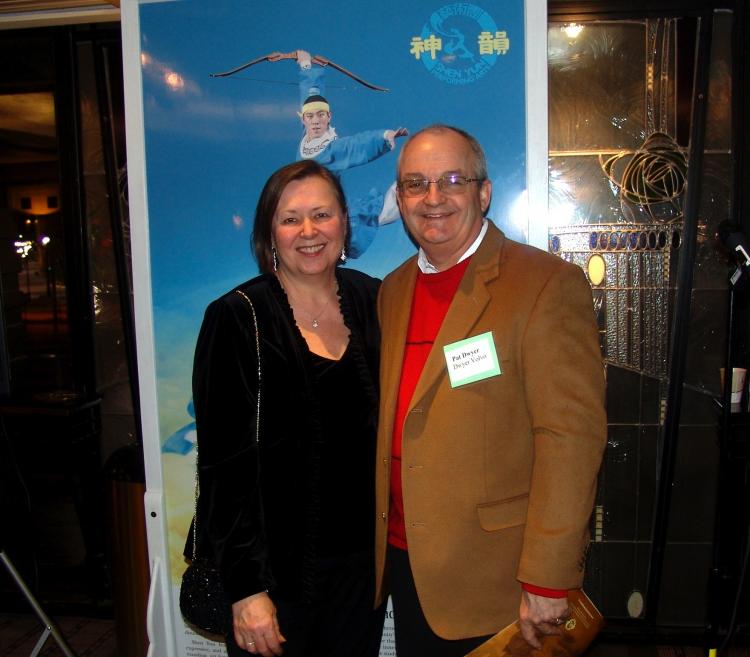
{"x":448,"y":184}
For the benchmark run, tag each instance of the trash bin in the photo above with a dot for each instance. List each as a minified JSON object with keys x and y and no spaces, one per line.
{"x":128,"y":548}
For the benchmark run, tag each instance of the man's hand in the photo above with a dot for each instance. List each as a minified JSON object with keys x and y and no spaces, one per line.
{"x":304,"y":60}
{"x":392,"y":135}
{"x":255,"y":626}
{"x":540,"y":616}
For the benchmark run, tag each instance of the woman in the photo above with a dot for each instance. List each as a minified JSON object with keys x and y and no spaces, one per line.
{"x":289,"y":517}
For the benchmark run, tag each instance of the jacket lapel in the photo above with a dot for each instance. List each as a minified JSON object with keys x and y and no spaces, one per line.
{"x":467,"y":307}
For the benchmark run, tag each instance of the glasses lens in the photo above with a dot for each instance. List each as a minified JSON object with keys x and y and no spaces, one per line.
{"x":449,"y":184}
{"x":452,"y":184}
{"x":414,"y":186}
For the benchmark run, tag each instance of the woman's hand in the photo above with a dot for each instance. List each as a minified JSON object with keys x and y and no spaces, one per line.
{"x":255,"y":626}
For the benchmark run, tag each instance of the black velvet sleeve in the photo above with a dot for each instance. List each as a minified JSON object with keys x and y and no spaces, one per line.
{"x":225,"y":389}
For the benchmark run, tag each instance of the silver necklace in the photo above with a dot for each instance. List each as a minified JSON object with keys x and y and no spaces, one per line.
{"x":315,"y":319}
{"x":314,"y":323}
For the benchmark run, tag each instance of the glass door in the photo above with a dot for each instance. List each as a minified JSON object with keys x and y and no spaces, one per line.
{"x":640,"y":177}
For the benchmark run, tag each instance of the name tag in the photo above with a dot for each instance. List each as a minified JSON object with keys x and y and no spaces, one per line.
{"x":472,"y":359}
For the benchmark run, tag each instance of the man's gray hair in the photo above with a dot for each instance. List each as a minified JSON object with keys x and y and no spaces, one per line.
{"x":480,"y":161}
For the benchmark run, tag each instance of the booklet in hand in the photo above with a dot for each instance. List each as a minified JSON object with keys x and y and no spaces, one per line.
{"x":577,"y":632}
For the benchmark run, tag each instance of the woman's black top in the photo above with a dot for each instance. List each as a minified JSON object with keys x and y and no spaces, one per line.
{"x":270,"y":510}
{"x":344,"y":488}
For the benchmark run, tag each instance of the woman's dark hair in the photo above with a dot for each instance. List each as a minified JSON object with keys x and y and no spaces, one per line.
{"x":269,"y":201}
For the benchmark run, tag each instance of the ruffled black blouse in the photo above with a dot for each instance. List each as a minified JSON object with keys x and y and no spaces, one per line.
{"x":260,"y":510}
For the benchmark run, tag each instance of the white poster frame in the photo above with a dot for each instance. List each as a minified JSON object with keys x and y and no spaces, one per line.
{"x":161,"y":627}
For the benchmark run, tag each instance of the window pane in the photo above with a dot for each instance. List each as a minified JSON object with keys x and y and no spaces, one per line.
{"x":33,"y":253}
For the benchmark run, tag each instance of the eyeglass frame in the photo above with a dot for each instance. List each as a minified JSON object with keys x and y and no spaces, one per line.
{"x":456,"y":189}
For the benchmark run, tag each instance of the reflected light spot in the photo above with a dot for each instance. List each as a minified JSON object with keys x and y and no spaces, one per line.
{"x":44,"y":240}
{"x":145,"y":59}
{"x":237,"y":221}
{"x":174,"y":80}
{"x":562,"y":213}
{"x":519,"y":212}
{"x":572,"y":30}
{"x":23,"y":247}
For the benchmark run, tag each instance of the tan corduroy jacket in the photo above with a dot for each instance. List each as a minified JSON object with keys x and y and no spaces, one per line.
{"x":498,"y":475}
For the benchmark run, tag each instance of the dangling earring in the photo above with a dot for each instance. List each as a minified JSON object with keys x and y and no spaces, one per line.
{"x":275,"y":260}
{"x":343,"y":254}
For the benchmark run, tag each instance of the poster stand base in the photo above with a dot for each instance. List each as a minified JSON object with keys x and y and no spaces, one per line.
{"x":50,"y":629}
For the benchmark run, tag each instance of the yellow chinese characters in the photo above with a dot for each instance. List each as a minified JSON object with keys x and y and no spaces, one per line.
{"x":497,"y":44}
{"x":431,"y":44}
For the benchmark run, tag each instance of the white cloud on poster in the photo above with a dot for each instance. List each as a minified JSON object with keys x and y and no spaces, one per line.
{"x":223,"y":119}
{"x":240,"y":111}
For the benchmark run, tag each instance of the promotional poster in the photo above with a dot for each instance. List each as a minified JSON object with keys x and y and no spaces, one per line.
{"x":223,"y":84}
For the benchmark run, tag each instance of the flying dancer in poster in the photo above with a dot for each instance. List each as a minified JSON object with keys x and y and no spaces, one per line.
{"x":321,"y":143}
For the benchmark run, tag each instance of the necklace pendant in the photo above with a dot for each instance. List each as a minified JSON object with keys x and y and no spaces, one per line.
{"x":315,"y":323}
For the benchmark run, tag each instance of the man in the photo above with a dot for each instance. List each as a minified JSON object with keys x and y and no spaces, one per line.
{"x":321,"y":143}
{"x":486,"y":475}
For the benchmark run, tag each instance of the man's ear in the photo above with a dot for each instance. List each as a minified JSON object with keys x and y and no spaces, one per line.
{"x":399,"y":201}
{"x":485,"y":194}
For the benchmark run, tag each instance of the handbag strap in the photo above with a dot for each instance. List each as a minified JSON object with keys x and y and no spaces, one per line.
{"x":257,"y":421}
{"x":257,"y":353}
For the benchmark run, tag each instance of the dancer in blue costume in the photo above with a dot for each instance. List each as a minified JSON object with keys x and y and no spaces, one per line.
{"x":321,"y":143}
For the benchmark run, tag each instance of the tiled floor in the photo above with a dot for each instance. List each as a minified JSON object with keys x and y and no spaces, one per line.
{"x":87,"y":637}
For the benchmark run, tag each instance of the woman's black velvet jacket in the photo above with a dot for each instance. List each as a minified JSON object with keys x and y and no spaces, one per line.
{"x":257,"y":511}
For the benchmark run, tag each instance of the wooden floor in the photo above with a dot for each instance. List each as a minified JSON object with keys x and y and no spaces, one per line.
{"x":86,"y":637}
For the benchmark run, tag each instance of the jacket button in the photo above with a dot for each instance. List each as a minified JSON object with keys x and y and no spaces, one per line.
{"x":383,"y":514}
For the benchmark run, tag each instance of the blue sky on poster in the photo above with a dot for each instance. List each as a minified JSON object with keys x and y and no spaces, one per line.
{"x":212,"y":142}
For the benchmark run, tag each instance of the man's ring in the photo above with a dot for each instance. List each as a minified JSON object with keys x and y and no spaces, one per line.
{"x":251,"y":643}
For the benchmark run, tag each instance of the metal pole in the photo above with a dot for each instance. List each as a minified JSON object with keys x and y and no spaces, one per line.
{"x":50,"y":627}
{"x":667,"y":449}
